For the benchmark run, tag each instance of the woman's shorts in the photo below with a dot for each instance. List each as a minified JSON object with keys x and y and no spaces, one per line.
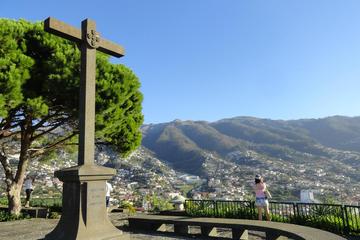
{"x":261,"y":202}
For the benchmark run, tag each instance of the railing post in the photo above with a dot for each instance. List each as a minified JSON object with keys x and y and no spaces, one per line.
{"x":297,"y":213}
{"x":216,"y":213}
{"x":345,"y":220}
{"x":294,"y":212}
{"x":202,"y":207}
{"x":252,"y":205}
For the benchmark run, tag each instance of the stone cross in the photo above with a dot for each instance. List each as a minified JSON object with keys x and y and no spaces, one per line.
{"x":89,"y":41}
{"x":84,"y":214}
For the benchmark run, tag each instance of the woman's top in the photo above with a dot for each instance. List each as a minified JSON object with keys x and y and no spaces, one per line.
{"x":109,"y":189}
{"x":260,"y":189}
{"x":28,"y":184}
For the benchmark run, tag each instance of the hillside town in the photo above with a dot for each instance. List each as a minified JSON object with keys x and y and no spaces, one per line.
{"x":141,"y":177}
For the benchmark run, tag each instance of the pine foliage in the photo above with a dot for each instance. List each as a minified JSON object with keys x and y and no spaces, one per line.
{"x":39,"y":81}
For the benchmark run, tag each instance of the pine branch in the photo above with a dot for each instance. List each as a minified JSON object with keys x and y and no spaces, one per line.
{"x":35,"y":152}
{"x":46,"y":119}
{"x":58,"y":124}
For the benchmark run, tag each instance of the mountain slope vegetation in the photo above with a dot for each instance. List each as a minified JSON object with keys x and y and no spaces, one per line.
{"x":187,"y":144}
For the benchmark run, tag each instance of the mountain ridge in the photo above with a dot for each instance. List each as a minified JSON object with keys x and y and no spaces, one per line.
{"x":280,"y":139}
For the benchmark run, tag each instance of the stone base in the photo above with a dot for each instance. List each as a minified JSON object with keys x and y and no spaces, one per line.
{"x":84,"y":215}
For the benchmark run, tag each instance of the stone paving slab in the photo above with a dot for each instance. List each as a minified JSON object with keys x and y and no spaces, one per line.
{"x":34,"y":229}
{"x":37,"y":228}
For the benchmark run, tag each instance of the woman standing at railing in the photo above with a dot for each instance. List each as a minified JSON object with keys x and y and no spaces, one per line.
{"x":261,"y":197}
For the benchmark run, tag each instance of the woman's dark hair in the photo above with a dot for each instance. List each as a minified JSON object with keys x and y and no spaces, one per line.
{"x":257,"y":180}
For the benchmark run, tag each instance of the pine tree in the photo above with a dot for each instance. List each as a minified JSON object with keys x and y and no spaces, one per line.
{"x":39,"y":91}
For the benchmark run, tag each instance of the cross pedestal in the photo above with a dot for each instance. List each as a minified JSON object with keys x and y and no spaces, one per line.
{"x":84,"y":215}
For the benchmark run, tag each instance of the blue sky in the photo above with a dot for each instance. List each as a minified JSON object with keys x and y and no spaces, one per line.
{"x":208,"y":60}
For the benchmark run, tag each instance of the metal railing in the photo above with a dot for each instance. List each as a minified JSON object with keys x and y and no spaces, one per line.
{"x":341,"y":219}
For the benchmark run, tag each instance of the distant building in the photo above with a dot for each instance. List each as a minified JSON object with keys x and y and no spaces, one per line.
{"x":307,"y":196}
{"x":196,"y":196}
{"x":173,"y":194}
{"x":190,"y":179}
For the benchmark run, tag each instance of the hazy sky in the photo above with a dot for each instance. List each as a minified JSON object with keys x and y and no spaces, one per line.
{"x":208,"y":60}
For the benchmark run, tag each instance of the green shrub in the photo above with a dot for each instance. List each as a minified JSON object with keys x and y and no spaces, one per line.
{"x":280,"y":218}
{"x":159,"y":203}
{"x":5,"y":216}
{"x":3,"y":201}
{"x":128,"y":206}
{"x":53,"y":204}
{"x":331,"y":223}
{"x":46,"y":202}
{"x":54,"y":215}
{"x":354,"y":224}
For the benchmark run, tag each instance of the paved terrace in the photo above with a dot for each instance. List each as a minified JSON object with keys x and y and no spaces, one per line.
{"x":37,"y":228}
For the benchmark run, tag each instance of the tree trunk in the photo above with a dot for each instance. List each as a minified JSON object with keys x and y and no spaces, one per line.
{"x":14,"y":184}
{"x":14,"y":199}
